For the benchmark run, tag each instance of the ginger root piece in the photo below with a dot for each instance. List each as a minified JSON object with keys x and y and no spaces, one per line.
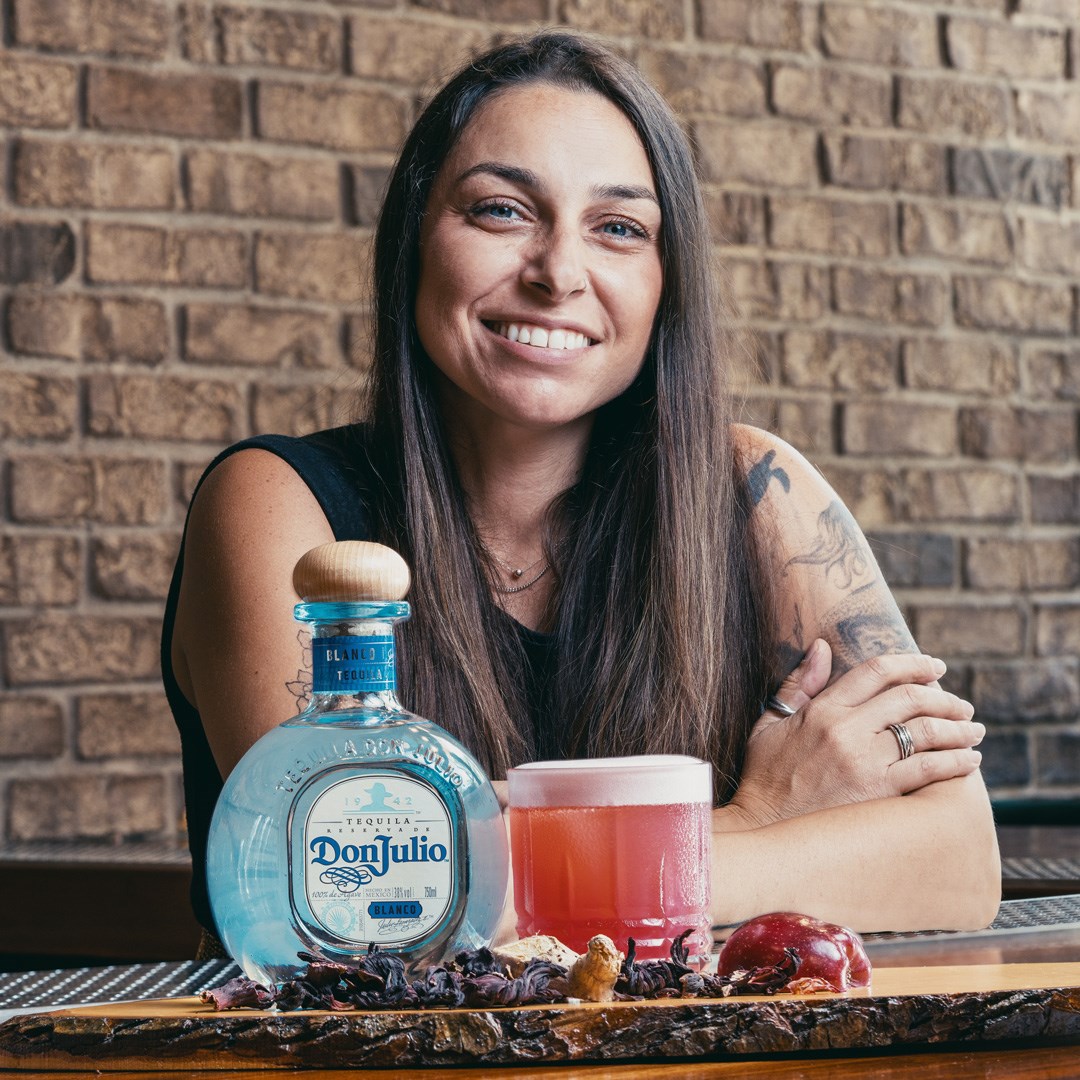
{"x":592,"y":976}
{"x":538,"y":947}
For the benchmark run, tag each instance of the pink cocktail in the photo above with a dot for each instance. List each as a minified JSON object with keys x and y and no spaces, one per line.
{"x":616,"y":846}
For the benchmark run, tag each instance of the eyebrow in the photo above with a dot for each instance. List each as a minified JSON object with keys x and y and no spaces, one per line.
{"x":527,"y":178}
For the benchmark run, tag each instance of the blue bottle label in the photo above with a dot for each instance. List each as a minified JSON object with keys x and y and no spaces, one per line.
{"x":379,"y":858}
{"x":352,"y":665}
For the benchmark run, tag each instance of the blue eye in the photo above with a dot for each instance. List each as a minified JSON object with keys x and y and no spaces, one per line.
{"x":495,"y":211}
{"x":624,"y":230}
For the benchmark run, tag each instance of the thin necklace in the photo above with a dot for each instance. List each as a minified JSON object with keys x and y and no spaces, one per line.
{"x":516,"y":573}
{"x":506,"y":590}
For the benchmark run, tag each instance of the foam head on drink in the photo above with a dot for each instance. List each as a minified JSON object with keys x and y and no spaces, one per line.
{"x":616,"y":846}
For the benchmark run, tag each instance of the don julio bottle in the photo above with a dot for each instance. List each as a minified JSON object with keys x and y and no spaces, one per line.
{"x":354,"y":823}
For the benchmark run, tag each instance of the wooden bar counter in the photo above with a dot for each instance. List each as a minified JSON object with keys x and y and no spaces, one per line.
{"x":1004,"y":1003}
{"x":937,"y":1007}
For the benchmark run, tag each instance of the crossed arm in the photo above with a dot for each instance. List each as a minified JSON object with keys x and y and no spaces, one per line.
{"x":824,"y":822}
{"x":827,"y":819}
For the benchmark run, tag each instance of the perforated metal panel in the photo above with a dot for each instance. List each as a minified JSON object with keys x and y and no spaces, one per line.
{"x":118,"y":982}
{"x":1029,"y":868}
{"x":1044,"y":913}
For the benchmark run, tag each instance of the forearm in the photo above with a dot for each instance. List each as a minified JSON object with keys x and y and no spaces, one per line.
{"x":927,"y":860}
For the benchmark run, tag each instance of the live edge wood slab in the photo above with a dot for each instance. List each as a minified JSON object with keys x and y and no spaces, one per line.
{"x":1000,"y":1003}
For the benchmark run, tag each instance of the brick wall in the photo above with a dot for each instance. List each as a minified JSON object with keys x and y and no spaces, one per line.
{"x":185,"y":206}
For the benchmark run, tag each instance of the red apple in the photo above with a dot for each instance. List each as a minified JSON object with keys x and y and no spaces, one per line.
{"x":826,"y":951}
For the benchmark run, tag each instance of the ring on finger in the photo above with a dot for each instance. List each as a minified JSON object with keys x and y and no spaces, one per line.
{"x":779,"y":706}
{"x":903,"y":740}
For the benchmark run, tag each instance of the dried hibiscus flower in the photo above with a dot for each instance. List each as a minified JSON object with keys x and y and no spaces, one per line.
{"x":476,"y":962}
{"x":533,"y":986}
{"x":769,"y":979}
{"x":239,"y":993}
{"x":379,"y":981}
{"x":475,"y":979}
{"x":653,"y":978}
{"x":440,"y":987}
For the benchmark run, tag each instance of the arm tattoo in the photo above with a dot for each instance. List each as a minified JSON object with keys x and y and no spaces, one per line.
{"x":790,"y":653}
{"x":838,"y":546}
{"x":300,"y":687}
{"x":867,"y":623}
{"x":761,"y":474}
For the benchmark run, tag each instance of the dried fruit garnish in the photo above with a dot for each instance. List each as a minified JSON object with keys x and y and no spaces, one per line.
{"x":476,"y":962}
{"x":476,"y":980}
{"x":493,"y":989}
{"x":239,"y":993}
{"x":653,"y":978}
{"x":767,"y":979}
{"x":440,"y":988}
{"x":378,"y":981}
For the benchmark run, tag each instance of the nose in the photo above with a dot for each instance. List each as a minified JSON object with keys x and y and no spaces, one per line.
{"x":556,"y":267}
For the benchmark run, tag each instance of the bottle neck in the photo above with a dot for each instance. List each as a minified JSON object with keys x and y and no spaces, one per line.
{"x":353,"y":654}
{"x":353,"y":660}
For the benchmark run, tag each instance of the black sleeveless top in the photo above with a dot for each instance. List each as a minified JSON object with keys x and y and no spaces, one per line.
{"x":334,"y":465}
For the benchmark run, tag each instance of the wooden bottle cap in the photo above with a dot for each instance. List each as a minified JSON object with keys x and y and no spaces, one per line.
{"x":350,"y":570}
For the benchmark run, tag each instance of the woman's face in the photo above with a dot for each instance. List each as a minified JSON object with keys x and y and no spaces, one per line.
{"x":540,"y":259}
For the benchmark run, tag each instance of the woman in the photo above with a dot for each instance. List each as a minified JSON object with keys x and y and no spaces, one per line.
{"x":603,"y":563}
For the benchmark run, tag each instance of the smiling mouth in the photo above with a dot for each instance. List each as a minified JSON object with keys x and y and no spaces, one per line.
{"x":540,"y":336}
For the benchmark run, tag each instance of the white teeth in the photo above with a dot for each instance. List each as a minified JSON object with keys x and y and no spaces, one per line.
{"x":540,"y":337}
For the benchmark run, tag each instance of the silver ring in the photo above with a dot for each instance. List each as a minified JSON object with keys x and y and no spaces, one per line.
{"x":903,"y":740}
{"x":779,"y":706}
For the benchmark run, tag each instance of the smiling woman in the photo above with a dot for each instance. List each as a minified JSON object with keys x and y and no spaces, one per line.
{"x":542,"y":229}
{"x":604,"y":563}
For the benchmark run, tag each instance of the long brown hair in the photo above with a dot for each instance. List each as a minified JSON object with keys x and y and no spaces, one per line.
{"x":662,"y":637}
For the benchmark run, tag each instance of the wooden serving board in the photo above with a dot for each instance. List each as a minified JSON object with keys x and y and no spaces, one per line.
{"x":904,"y":1007}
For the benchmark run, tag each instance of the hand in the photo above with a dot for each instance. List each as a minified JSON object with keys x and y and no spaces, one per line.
{"x":838,"y":748}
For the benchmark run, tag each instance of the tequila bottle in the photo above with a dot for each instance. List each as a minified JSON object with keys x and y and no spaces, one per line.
{"x":355,"y":823}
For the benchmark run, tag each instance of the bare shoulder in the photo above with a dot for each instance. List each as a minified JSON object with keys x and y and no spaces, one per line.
{"x":247,"y":486}
{"x":782,"y":482}
{"x":251,"y":520}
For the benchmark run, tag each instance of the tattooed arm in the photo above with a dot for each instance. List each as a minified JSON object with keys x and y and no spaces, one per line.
{"x":864,"y":621}
{"x":826,"y":578}
{"x":827,"y":818}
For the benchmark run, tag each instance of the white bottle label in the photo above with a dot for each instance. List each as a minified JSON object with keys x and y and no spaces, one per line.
{"x":379,"y":858}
